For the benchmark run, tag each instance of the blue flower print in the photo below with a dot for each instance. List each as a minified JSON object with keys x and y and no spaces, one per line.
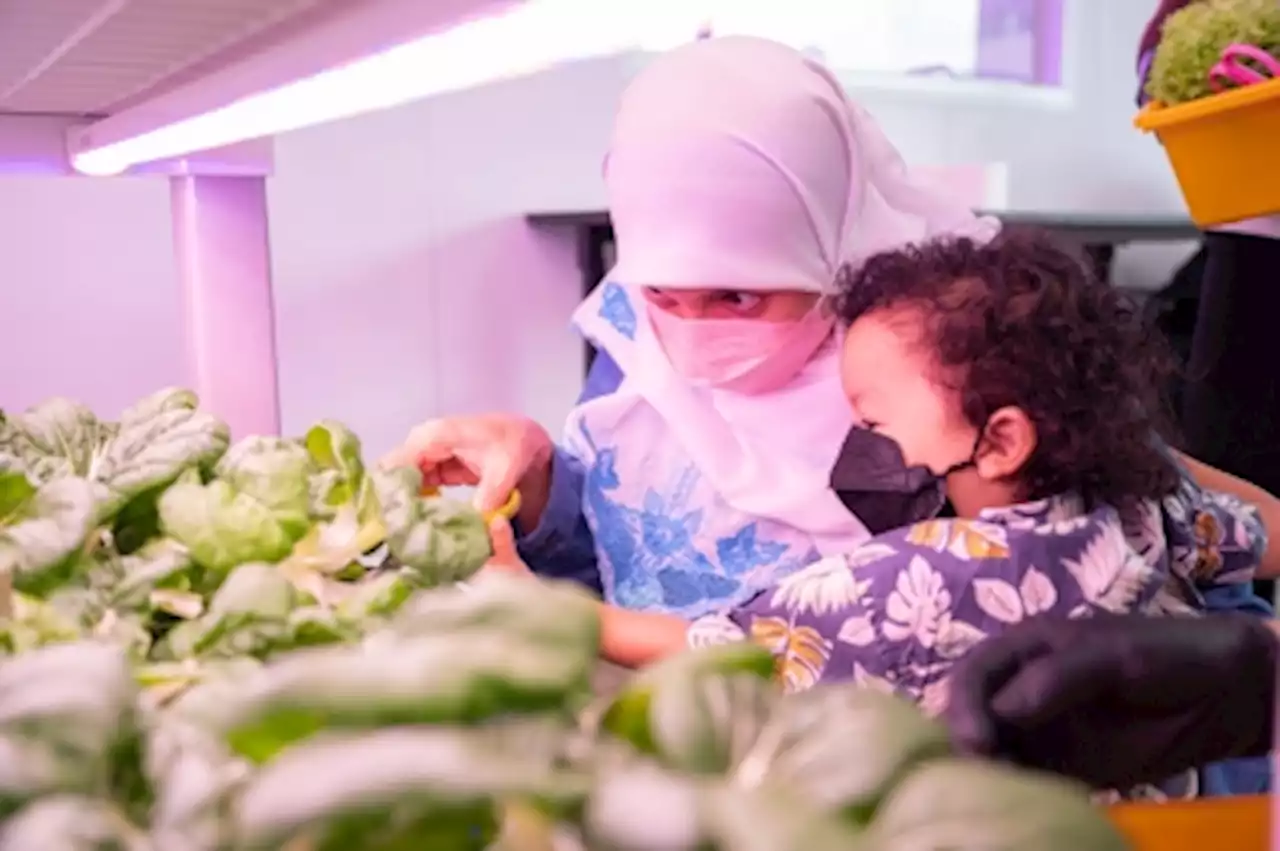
{"x":616,"y":309}
{"x":664,"y":532}
{"x":682,"y":588}
{"x":612,"y":521}
{"x":604,"y":473}
{"x":651,"y":555}
{"x":743,"y":552}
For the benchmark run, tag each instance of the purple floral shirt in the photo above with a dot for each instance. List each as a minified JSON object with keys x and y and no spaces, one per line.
{"x":897,"y":613}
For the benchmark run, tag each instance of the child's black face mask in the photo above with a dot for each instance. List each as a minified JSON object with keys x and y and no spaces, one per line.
{"x":874,"y":482}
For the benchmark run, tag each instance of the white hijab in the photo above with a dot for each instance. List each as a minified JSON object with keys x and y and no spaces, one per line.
{"x":738,"y":163}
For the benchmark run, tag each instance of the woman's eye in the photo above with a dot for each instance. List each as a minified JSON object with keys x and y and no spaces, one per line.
{"x":740,"y":300}
{"x":659,"y":297}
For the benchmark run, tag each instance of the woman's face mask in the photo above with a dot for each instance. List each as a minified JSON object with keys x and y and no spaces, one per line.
{"x":874,"y":482}
{"x":745,"y":355}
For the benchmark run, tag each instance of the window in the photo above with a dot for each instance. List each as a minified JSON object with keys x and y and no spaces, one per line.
{"x":1013,"y":40}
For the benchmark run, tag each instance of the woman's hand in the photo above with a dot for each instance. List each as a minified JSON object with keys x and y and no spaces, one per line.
{"x":496,"y":453}
{"x":505,"y":559}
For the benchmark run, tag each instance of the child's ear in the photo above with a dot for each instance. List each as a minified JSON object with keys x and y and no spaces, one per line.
{"x":1006,"y":445}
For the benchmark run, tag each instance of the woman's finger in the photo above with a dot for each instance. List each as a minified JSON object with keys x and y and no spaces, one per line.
{"x":427,"y":444}
{"x":503,"y":541}
{"x":499,"y":473}
{"x":453,"y":473}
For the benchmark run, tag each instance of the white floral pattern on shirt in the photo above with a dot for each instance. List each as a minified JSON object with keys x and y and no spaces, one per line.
{"x":897,"y":612}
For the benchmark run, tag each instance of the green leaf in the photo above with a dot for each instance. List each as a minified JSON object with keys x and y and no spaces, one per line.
{"x":462,"y":680}
{"x":42,"y":536}
{"x":76,"y":701}
{"x":411,"y":788}
{"x":443,"y":540}
{"x":128,"y":632}
{"x":189,"y":686}
{"x":161,"y":564}
{"x":15,"y":491}
{"x":137,"y":522}
{"x":333,"y":547}
{"x":29,"y":771}
{"x":158,"y":439}
{"x":71,"y":823}
{"x":374,"y":595}
{"x":704,"y":725}
{"x":959,"y":803}
{"x":314,"y":625}
{"x":335,"y":450}
{"x":35,"y":623}
{"x":222,"y":527}
{"x":212,"y":683}
{"x":54,"y":439}
{"x":661,"y":711}
{"x":198,"y":781}
{"x":843,"y":747}
{"x":774,"y":819}
{"x":255,"y":589}
{"x":643,"y":808}
{"x":554,"y":613}
{"x":249,"y":615}
{"x":274,"y":472}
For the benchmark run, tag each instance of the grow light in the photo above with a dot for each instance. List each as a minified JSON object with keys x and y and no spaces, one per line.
{"x":523,"y":39}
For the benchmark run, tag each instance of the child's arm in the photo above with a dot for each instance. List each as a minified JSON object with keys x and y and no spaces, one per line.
{"x":627,"y":638}
{"x":635,"y":639}
{"x":1268,"y":507}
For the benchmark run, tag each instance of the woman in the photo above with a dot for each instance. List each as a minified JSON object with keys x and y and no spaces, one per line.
{"x":1007,"y":379}
{"x":1230,"y":410}
{"x":740,"y":180}
{"x":694,"y":470}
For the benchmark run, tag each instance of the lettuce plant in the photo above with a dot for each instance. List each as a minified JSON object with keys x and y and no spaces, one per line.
{"x":159,"y":530}
{"x":1193,"y":38}
{"x":202,"y":656}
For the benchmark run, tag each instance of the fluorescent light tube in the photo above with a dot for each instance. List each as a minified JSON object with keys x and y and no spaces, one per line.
{"x":522,"y":40}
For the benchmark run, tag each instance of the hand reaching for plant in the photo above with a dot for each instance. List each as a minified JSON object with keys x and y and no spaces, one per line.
{"x":505,"y":559}
{"x":496,"y":453}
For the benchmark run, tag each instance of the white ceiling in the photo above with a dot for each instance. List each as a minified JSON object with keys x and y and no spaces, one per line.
{"x":90,"y":57}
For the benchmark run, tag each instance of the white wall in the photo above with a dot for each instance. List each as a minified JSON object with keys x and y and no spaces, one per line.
{"x":1085,"y":156}
{"x":407,"y":283}
{"x":88,"y":291}
{"x":1082,"y":154}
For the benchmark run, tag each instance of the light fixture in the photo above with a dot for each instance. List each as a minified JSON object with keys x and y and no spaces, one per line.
{"x":524,"y":39}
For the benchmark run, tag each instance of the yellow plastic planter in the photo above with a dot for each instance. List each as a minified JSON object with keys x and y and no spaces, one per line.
{"x":1212,"y":824}
{"x":1225,"y":151}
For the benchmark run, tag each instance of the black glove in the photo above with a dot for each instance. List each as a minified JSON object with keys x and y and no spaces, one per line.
{"x":1118,"y":700}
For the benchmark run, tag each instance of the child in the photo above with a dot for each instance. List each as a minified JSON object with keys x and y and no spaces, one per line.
{"x":1007,"y":380}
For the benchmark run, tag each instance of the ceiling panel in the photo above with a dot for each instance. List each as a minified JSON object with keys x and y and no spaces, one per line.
{"x":85,"y":57}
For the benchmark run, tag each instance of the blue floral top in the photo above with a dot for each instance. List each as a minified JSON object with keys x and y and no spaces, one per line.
{"x":899,"y":611}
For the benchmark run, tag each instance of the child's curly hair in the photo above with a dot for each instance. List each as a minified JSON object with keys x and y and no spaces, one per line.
{"x":1022,"y":322}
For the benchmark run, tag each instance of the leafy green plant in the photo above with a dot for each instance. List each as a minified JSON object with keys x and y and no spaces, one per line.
{"x":159,"y":532}
{"x":240,"y":677}
{"x":1193,"y":38}
{"x":464,"y":737}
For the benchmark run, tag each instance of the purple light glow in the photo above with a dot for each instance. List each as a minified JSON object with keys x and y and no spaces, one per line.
{"x":1020,"y":41}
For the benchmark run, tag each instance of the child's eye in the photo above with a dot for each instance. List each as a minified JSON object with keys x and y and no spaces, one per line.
{"x":870,"y":426}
